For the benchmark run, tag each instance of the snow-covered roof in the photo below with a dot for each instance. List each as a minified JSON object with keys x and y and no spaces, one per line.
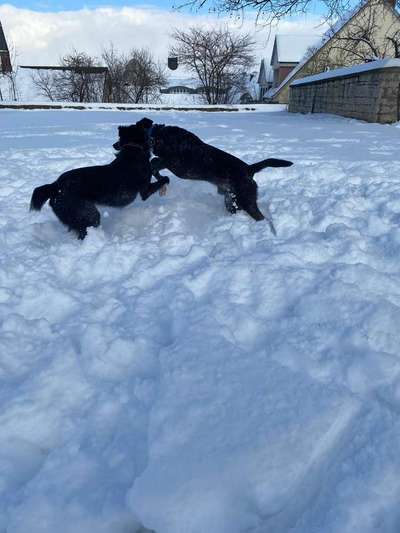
{"x":291,"y":48}
{"x":173,"y":81}
{"x":348,"y":71}
{"x":265,"y":74}
{"x":181,"y":76}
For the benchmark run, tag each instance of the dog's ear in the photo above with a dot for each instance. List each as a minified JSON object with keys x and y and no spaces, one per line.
{"x":145,"y":123}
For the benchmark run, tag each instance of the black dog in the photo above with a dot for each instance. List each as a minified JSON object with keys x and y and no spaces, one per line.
{"x":74,"y":194}
{"x":188,"y":157}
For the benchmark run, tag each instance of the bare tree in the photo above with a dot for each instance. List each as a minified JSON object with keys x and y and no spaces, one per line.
{"x":79,"y":78}
{"x":359,"y":41}
{"x":44,"y":81}
{"x":79,"y":82}
{"x":393,"y":39}
{"x":116,"y":67}
{"x":268,"y":11}
{"x":133,"y":78}
{"x":218,"y":58}
{"x":143,"y":77}
{"x":10,"y":74}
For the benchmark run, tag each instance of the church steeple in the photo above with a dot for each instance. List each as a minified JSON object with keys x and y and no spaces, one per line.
{"x":5,"y":62}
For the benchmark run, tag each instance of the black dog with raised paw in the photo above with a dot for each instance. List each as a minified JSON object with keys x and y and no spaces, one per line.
{"x":74,"y":195}
{"x":188,"y":157}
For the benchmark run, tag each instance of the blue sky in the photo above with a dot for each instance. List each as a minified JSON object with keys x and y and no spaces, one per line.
{"x":43,"y":5}
{"x":60,"y":5}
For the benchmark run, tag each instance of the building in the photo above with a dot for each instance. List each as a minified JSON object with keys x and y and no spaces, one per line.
{"x":371,"y":31}
{"x":178,"y":89}
{"x":265,"y":79}
{"x":287,"y":52}
{"x":5,"y":61}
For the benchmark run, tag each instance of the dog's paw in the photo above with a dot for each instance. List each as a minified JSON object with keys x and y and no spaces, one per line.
{"x":163,"y":191}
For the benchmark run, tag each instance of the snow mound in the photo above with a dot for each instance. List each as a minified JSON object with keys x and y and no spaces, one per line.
{"x":183,"y":370}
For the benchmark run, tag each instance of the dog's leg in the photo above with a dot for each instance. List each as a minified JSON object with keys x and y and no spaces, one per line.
{"x":76,"y":213}
{"x":246,"y":192}
{"x":151,"y":188}
{"x":253,"y":211}
{"x":157,"y":165}
{"x":269,"y":219}
{"x":230,"y":199}
{"x":231,"y":203}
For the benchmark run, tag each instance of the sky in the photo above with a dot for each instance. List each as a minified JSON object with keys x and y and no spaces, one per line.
{"x":41,"y":32}
{"x":62,"y":5}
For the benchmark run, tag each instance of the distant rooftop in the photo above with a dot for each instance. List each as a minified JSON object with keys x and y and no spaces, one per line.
{"x":291,"y":48}
{"x":89,"y":70}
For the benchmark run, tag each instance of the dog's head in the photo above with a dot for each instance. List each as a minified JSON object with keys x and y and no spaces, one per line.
{"x":131,"y":135}
{"x":145,"y":123}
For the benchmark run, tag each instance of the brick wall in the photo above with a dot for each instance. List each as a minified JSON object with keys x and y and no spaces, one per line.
{"x":284,"y":71}
{"x":372,"y":95}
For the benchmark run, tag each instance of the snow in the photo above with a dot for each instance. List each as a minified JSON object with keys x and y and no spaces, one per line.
{"x":291,"y":48}
{"x":74,"y":106}
{"x":186,"y":370}
{"x":349,"y":71}
{"x":181,"y":99}
{"x":26,"y":90}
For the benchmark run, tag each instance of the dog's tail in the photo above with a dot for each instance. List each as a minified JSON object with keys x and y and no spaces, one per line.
{"x":271,"y":162}
{"x":41,"y":194}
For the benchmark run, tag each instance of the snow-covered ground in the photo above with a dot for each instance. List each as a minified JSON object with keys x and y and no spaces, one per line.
{"x":184,"y":369}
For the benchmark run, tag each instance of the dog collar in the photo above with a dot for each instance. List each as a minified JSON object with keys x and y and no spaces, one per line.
{"x":133,"y":145}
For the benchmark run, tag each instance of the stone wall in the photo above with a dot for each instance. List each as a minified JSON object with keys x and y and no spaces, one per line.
{"x":369,"y":92}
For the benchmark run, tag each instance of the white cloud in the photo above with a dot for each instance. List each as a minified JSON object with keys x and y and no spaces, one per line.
{"x":42,"y":37}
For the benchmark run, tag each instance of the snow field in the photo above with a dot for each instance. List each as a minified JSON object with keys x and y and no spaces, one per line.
{"x":182,"y":368}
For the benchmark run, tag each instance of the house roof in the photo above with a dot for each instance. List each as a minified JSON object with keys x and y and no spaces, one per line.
{"x":340,"y":24}
{"x":291,"y":48}
{"x":185,"y":79}
{"x":3,"y":42}
{"x":184,"y":88}
{"x":87,"y":70}
{"x":265,"y":74}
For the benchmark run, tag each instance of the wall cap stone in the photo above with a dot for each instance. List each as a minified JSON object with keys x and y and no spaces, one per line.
{"x":348,"y":72}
